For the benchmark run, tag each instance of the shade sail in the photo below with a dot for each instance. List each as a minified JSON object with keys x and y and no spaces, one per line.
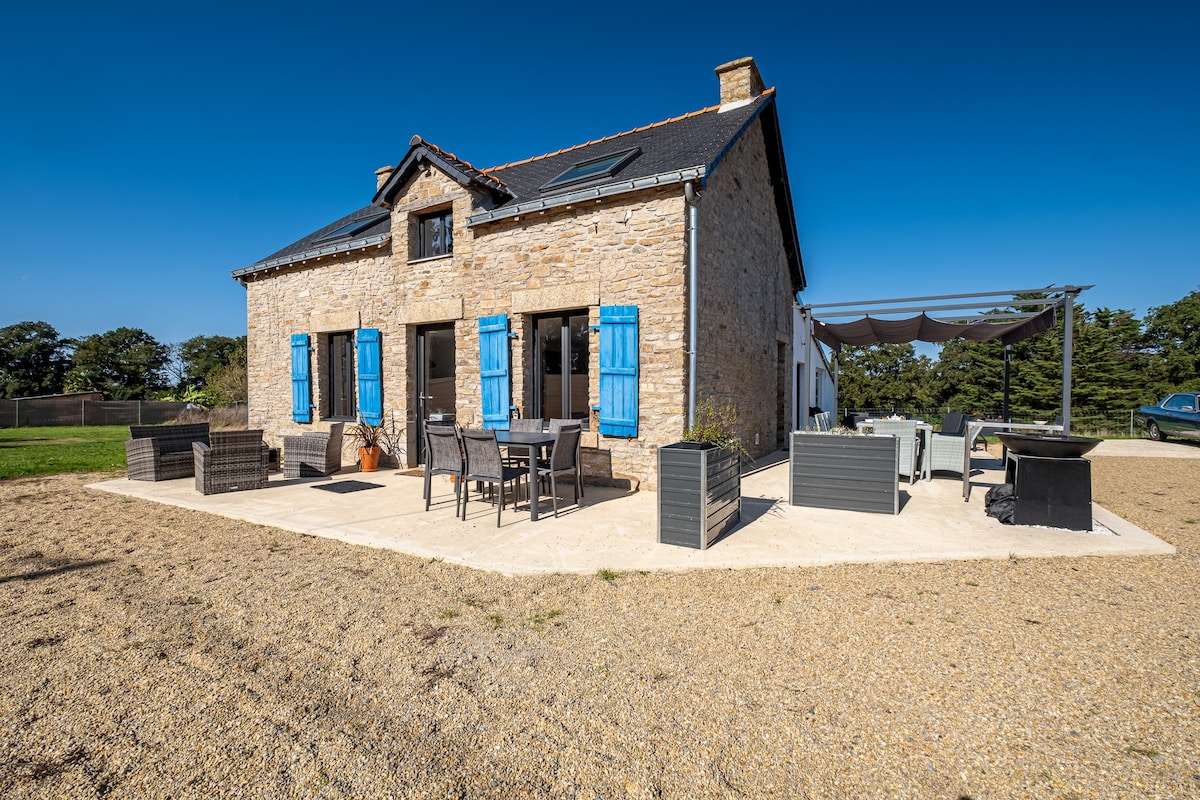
{"x":924,"y":328}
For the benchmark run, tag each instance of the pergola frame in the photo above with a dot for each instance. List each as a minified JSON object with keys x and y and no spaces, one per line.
{"x":933,"y":319}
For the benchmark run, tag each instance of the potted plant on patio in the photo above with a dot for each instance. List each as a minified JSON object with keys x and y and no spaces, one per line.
{"x":372,"y":440}
{"x":700,"y":480}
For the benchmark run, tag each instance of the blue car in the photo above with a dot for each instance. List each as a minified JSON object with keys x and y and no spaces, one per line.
{"x":1177,"y":415}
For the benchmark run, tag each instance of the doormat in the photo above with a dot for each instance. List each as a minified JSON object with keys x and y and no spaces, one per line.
{"x":344,"y":487}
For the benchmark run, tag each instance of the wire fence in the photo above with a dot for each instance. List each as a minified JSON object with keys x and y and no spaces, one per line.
{"x":1084,"y":421}
{"x":55,"y":411}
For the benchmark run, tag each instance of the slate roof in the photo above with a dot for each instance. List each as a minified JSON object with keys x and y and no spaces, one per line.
{"x":312,"y":246}
{"x":675,"y":150}
{"x":694,"y":141}
{"x":421,"y":151}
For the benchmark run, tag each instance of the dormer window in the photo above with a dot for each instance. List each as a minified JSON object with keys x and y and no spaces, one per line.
{"x":435,"y":234}
{"x":350,"y":228}
{"x":594,"y":170}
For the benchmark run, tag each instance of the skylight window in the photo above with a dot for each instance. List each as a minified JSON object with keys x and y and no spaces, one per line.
{"x":351,"y":228}
{"x":593,"y":170}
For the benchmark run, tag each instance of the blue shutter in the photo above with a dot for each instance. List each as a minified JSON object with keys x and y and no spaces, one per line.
{"x":618,"y":370}
{"x":493,"y":371}
{"x":370,"y":378}
{"x":301,"y":382}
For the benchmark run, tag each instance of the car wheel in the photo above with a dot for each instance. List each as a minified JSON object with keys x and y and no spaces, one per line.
{"x":1155,"y":432}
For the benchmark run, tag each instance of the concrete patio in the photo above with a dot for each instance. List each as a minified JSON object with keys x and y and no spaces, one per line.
{"x":614,"y":529}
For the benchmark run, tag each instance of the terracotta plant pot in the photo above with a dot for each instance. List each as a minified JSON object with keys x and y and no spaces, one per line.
{"x":368,"y":459}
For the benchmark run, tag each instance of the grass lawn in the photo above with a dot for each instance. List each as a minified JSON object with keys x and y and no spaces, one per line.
{"x":45,"y":451}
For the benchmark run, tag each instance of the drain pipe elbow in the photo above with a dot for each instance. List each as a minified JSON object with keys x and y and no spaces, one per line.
{"x":693,"y":289}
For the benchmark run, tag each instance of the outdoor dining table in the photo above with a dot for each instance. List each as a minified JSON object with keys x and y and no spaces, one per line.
{"x":532,"y":443}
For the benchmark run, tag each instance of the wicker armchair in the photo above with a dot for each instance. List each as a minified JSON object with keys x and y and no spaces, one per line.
{"x":235,"y":461}
{"x":162,"y":452}
{"x":906,"y":430}
{"x":948,"y":449}
{"x":313,"y":454}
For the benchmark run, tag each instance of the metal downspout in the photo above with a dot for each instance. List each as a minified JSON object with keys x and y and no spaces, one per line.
{"x":693,"y":288}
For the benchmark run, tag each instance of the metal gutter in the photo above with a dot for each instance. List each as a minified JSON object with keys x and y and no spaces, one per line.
{"x":593,"y":193}
{"x":316,"y":252}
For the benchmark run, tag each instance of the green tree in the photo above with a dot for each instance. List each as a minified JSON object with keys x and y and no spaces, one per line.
{"x":200,"y":356}
{"x":124,"y":364}
{"x":1110,"y":370}
{"x":884,"y":376}
{"x":228,"y":383}
{"x":1173,"y":335}
{"x":33,"y":359}
{"x":969,"y":376}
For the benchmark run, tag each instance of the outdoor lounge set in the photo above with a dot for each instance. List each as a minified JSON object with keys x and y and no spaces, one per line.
{"x":220,"y":461}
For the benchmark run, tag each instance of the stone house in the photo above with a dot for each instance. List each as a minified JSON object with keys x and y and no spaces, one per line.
{"x":618,"y":282}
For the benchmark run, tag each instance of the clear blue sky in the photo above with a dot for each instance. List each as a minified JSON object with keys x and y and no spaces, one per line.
{"x":933,"y":148}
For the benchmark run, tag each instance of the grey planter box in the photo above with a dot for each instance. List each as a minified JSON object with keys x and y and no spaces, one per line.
{"x":849,"y":473}
{"x":699,"y":493}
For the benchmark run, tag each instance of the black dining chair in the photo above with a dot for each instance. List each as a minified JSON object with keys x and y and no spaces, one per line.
{"x":443,"y":456}
{"x":483,"y":464}
{"x":522,"y":426}
{"x":564,"y":458}
{"x":555,"y":425}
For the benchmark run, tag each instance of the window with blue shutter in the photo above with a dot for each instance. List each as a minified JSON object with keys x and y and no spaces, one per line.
{"x":301,"y":379}
{"x":619,"y":370}
{"x":370,"y":377}
{"x":494,"y":383}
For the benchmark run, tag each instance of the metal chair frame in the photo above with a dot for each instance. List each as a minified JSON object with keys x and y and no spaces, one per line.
{"x":482,"y":463}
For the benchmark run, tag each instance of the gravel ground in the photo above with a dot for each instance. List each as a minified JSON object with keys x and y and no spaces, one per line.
{"x":151,"y":651}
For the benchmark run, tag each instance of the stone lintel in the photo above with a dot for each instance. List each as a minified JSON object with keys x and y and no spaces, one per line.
{"x":430,"y":311}
{"x":562,"y":297}
{"x":330,"y":321}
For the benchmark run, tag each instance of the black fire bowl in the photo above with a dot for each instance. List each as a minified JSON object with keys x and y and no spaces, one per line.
{"x":1032,"y":444}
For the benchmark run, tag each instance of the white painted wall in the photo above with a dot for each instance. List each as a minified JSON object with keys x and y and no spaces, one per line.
{"x":813,"y":375}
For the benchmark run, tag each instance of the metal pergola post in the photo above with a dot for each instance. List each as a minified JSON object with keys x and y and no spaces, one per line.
{"x":1068,"y":324}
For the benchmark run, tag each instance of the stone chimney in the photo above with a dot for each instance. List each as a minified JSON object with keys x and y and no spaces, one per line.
{"x":381,"y":176}
{"x":740,"y":81}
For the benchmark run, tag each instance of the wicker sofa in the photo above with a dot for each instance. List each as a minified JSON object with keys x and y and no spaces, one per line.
{"x":235,"y":461}
{"x":313,"y":454}
{"x":162,"y":452}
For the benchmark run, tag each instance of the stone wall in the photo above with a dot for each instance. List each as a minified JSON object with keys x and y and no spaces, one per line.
{"x":744,"y":353}
{"x":628,"y":250}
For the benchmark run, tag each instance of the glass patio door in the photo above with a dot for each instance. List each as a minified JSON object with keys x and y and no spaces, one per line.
{"x":561,"y":359}
{"x":436,"y":399}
